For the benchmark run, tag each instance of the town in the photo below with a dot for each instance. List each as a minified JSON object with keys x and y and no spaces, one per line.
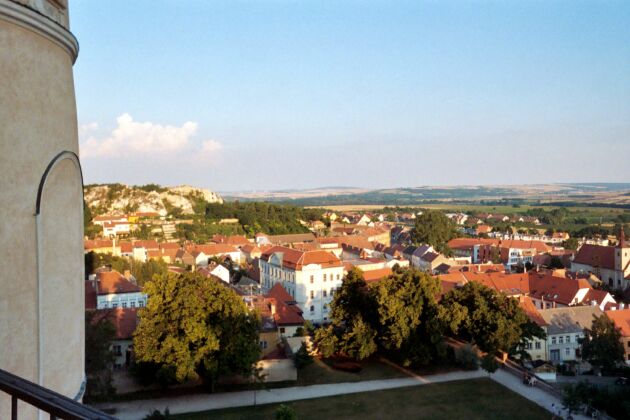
{"x":566,"y":291}
{"x":307,"y":210}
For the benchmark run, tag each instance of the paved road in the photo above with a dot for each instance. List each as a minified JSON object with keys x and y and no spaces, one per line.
{"x":132,"y":410}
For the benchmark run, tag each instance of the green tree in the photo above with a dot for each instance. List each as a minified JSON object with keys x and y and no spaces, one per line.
{"x":327,"y":341}
{"x":435,"y":229}
{"x":494,"y":321}
{"x":99,"y":358}
{"x":570,"y":243}
{"x":410,"y":322}
{"x":359,"y":339}
{"x":302,"y":357}
{"x":199,"y":328}
{"x":602,"y":345}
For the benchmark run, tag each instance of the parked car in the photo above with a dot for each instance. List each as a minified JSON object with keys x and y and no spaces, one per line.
{"x":622,"y":381}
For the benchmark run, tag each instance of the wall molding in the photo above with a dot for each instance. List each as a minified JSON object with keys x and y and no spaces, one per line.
{"x":29,"y":19}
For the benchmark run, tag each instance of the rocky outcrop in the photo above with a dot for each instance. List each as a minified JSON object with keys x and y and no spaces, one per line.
{"x":119,"y":198}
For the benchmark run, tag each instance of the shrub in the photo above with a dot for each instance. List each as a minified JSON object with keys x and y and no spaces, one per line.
{"x":302,"y":357}
{"x":466,"y":357}
{"x":285,"y":412}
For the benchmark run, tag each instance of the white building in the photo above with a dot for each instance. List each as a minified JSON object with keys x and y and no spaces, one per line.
{"x":113,"y":290}
{"x":609,"y":264}
{"x":311,"y":277}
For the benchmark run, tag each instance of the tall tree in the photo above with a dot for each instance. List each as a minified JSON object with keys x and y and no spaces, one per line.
{"x":494,"y":321}
{"x":435,"y":229}
{"x":197,"y":327}
{"x":410,"y":322}
{"x":602,"y":345}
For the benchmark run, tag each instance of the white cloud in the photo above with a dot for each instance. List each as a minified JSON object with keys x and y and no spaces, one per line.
{"x":141,"y":139}
{"x":87,"y":128}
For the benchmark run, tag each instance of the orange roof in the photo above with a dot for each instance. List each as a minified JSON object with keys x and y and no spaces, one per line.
{"x":169,"y":245}
{"x":250,"y":248}
{"x":296,"y":259}
{"x":125,"y":320}
{"x":214,"y":249}
{"x":528,"y":306}
{"x":126,"y":247}
{"x":621,"y":318}
{"x":230,"y":240}
{"x":539,"y":246}
{"x":97,"y":243}
{"x":110,"y":282}
{"x":147,"y":244}
{"x":469,"y":243}
{"x":90,"y":295}
{"x":376,"y":275}
{"x":286,"y":311}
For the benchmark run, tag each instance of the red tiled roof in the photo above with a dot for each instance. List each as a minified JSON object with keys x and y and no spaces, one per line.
{"x":621,"y":318}
{"x":295,"y":259}
{"x":125,"y":320}
{"x":147,"y":244}
{"x":214,"y":249}
{"x":528,"y":306}
{"x":375,"y":275}
{"x":110,"y":282}
{"x":97,"y":243}
{"x":596,"y":256}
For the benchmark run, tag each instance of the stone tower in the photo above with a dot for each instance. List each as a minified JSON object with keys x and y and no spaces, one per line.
{"x":41,"y":201}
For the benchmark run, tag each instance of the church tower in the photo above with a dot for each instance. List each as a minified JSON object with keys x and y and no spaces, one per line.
{"x":41,"y":202}
{"x":622,"y":256}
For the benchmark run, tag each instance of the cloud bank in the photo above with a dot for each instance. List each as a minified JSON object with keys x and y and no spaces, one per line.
{"x":133,"y":139}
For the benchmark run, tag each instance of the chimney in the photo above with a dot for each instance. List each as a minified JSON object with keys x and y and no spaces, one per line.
{"x":127,"y":274}
{"x":622,"y":306}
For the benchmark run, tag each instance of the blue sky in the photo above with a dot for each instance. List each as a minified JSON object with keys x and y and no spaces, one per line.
{"x":267,"y":95}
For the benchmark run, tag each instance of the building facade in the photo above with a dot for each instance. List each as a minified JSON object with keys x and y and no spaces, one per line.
{"x":41,"y":200}
{"x":311,"y":277}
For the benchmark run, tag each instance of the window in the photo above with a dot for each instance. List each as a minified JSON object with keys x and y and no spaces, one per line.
{"x":133,"y":304}
{"x":114,"y":305}
{"x":537,"y":345}
{"x":312,"y":308}
{"x":568,"y":339}
{"x":282,"y":330}
{"x":332,"y":293}
{"x":553,"y":340}
{"x":338,"y":277}
{"x":263,"y":344}
{"x":324,"y":277}
{"x":560,"y":340}
{"x":312,"y":279}
{"x":528,"y":346}
{"x":117,"y":350}
{"x":312,"y":294}
{"x":124,"y":304}
{"x":567,"y":351}
{"x":324,"y":293}
{"x":577,"y":338}
{"x":325,"y":307}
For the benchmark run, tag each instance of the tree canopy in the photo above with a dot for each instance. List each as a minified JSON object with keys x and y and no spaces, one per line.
{"x":602,"y":345}
{"x":491,"y":320}
{"x":435,"y":229}
{"x":197,"y":327}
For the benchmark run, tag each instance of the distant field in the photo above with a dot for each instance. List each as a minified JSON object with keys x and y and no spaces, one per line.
{"x":508,"y":209}
{"x":474,"y":399}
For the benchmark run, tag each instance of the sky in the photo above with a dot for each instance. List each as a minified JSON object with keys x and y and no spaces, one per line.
{"x":267,"y":95}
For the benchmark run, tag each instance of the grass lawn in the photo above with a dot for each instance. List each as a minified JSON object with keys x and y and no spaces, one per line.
{"x":473,"y":399}
{"x":320,"y":372}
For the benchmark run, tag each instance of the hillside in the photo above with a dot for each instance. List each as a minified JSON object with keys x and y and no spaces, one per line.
{"x":113,"y":198}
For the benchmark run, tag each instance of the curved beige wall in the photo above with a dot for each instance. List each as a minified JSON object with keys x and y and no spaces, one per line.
{"x":37,"y":122}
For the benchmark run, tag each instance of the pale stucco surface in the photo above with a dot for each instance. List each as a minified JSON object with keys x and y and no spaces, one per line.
{"x":37,"y":122}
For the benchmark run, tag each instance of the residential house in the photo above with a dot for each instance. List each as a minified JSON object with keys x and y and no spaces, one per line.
{"x":215,"y":270}
{"x":418,"y":253}
{"x":113,"y":290}
{"x":565,"y":330}
{"x":251,"y":252}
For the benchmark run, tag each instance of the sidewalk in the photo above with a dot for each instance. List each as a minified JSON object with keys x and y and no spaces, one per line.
{"x":536,"y":395}
{"x":132,"y":410}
